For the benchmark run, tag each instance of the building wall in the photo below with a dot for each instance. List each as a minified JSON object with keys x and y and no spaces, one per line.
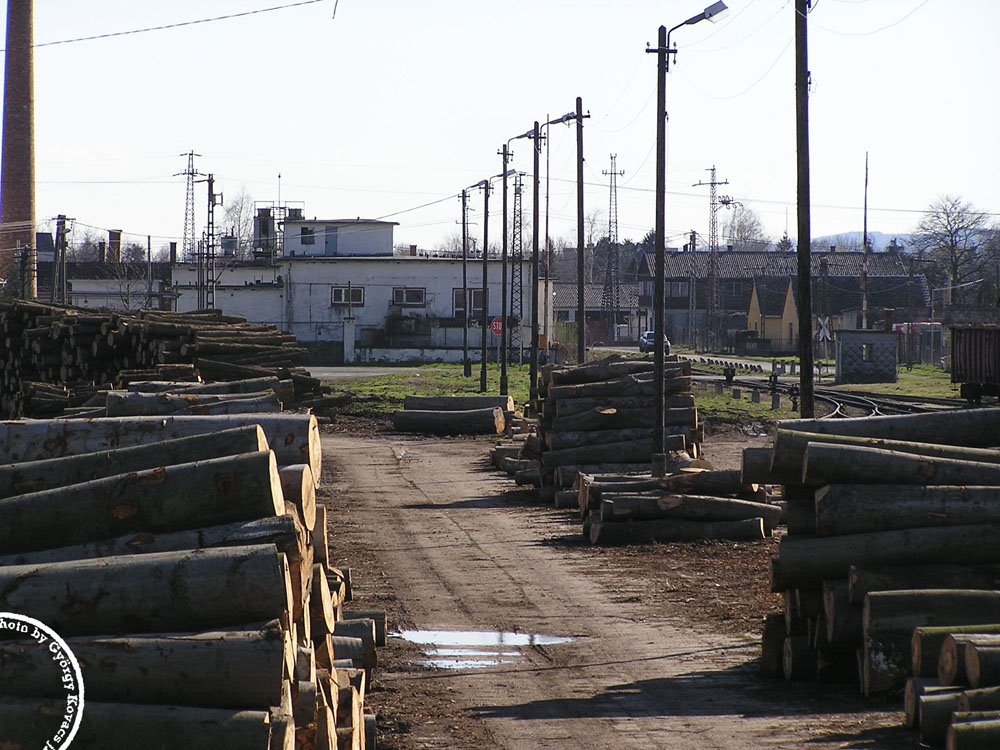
{"x":331,"y":239}
{"x":866,"y":356}
{"x":308,"y":297}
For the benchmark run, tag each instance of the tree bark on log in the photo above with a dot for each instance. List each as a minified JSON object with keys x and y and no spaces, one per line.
{"x":935,"y":716}
{"x":926,"y":643}
{"x":865,"y":579}
{"x":891,"y":616}
{"x":717,"y":483}
{"x":973,"y":428}
{"x":598,"y":372}
{"x":489,"y":421}
{"x":673,"y":382}
{"x":231,"y":407}
{"x":31,"y":476}
{"x":299,"y":487}
{"x":798,"y":659}
{"x":237,"y":670}
{"x":915,"y":688}
{"x":613,"y":453}
{"x":169,"y":498}
{"x":294,"y":438}
{"x":772,"y":645}
{"x":687,"y":507}
{"x":981,"y":657}
{"x":645,"y":532}
{"x":826,"y":464}
{"x":973,"y":735}
{"x":166,"y":591}
{"x":807,"y":562}
{"x":610,"y":418}
{"x":561,"y":440}
{"x":124,"y":726}
{"x":564,"y":408}
{"x":755,"y":467}
{"x":282,"y":531}
{"x":861,"y":508}
{"x":980,"y":699}
{"x":790,"y":449}
{"x":457,"y":403}
{"x":127,"y":404}
{"x":841,"y":618}
{"x":249,"y":385}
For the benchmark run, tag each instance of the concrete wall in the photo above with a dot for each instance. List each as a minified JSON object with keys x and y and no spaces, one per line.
{"x":332,"y":239}
{"x":866,"y":356}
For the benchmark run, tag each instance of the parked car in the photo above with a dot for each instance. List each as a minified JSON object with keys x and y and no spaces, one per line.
{"x":647,"y":339}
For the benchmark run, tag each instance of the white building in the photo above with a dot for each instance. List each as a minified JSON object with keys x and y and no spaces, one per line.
{"x":336,"y":238}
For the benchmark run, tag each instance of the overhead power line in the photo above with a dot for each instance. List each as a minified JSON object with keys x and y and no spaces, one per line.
{"x":175,"y":25}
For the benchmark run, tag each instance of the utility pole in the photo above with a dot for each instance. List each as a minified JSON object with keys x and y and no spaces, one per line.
{"x":149,"y":271}
{"x":547,"y":259}
{"x":57,"y":292}
{"x":806,"y":409}
{"x":466,"y":364}
{"x":581,"y":309}
{"x":484,"y":321}
{"x":533,"y":364}
{"x":692,"y":290}
{"x":502,"y":356}
{"x":714,"y":301}
{"x":214,"y":199}
{"x":188,"y":249}
{"x":864,"y":260}
{"x":611,"y":296}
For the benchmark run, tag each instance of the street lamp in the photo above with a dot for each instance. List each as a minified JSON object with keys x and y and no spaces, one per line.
{"x":663,"y":52}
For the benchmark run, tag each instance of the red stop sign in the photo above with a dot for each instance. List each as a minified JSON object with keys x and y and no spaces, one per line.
{"x":496,"y":325}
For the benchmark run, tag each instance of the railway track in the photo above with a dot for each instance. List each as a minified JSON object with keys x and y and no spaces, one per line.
{"x":841,"y":404}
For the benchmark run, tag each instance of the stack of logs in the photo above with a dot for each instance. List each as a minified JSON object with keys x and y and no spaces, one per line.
{"x":47,"y":345}
{"x":893,"y":543}
{"x":186,"y":563}
{"x":454,"y":415}
{"x":593,"y":451}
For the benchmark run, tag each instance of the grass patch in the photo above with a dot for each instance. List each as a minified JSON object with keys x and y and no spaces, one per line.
{"x":921,"y":380}
{"x":385,"y":393}
{"x":726,"y":410}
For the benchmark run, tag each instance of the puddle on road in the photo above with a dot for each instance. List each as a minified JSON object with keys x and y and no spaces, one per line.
{"x":474,"y":649}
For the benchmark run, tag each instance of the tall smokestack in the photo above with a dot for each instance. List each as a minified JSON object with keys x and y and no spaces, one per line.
{"x":114,"y":246}
{"x":17,"y":171}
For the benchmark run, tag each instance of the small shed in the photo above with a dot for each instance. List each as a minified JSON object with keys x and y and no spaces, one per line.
{"x":865,"y":356}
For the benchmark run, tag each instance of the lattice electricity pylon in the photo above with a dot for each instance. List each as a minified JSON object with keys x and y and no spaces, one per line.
{"x":189,"y":249}
{"x":516,"y":275}
{"x":611,"y":295}
{"x":714,"y":301}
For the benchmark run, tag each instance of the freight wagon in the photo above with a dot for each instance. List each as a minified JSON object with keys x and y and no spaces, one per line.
{"x":975,"y":360}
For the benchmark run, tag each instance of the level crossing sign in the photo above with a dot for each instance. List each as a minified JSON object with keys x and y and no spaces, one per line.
{"x":823,"y":328}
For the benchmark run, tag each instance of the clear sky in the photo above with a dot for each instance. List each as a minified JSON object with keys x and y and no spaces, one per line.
{"x":397,"y":103}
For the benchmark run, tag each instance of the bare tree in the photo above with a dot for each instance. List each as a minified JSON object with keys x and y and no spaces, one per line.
{"x":134,"y":253}
{"x":237,"y":220}
{"x":957,"y":239}
{"x":744,"y":230}
{"x":86,"y":246}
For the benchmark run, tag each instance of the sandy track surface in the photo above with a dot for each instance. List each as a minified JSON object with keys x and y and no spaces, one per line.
{"x":442,"y":541}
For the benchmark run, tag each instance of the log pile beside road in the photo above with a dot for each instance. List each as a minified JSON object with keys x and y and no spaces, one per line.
{"x":893,"y":544}
{"x":54,"y":357}
{"x":593,"y":451}
{"x":186,"y":563}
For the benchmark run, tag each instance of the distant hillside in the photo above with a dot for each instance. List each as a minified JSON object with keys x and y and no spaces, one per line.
{"x":852,"y":240}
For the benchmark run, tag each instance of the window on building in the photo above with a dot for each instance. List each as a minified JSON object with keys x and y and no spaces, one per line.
{"x":475,"y":303}
{"x":307,"y":235}
{"x":341,"y":295}
{"x":866,"y":353}
{"x":733,"y":288}
{"x":409,"y":296}
{"x":677,"y":289}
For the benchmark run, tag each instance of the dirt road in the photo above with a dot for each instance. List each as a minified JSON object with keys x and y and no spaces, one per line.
{"x":442,"y":541}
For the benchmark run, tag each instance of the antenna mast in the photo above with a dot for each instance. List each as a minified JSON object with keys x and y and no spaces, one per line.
{"x":611,"y":297}
{"x":714,"y":301}
{"x":516,"y":268}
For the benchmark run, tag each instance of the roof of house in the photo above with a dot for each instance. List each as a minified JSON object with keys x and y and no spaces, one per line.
{"x":342,"y":222}
{"x":593,"y":294}
{"x":749,"y":264}
{"x":771,"y":293}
